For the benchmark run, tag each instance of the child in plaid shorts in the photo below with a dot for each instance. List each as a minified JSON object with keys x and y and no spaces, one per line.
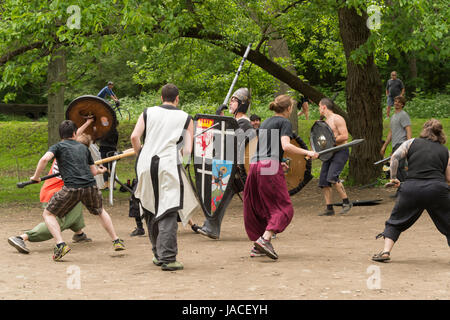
{"x":77,"y":171}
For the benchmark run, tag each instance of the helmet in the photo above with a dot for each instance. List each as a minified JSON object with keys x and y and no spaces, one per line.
{"x":243,"y":95}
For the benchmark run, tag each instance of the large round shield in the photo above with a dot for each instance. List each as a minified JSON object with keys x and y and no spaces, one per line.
{"x":322,"y":138}
{"x":85,"y":106}
{"x":299,"y":172}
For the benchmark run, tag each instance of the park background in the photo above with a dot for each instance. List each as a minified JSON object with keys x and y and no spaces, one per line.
{"x":52,"y":52}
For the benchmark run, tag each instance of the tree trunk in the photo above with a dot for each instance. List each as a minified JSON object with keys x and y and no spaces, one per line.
{"x":278,"y":48}
{"x":363,"y":96}
{"x":56,"y":80}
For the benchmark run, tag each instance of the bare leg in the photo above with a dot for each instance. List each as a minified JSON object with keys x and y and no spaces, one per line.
{"x":305,"y":108}
{"x":107,"y":224}
{"x":327,"y":194}
{"x":341,"y":190}
{"x":24,"y":237}
{"x":388,"y":244}
{"x":53,"y":226}
{"x":268,"y":235}
{"x":388,"y":112}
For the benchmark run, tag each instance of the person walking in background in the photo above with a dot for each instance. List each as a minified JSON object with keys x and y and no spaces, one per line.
{"x":394,"y":88}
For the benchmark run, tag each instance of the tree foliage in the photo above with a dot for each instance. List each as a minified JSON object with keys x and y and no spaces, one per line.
{"x":198,"y":44}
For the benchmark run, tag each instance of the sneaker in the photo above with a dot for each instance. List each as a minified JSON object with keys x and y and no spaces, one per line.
{"x":172,"y":266}
{"x":60,"y":251}
{"x":81,"y":238}
{"x":266,"y":247}
{"x":19,"y":244}
{"x":346,"y":207}
{"x":195,"y":228}
{"x":156,"y":262}
{"x":327,"y":213}
{"x":118,"y":245}
{"x":137,"y":232}
{"x":256,"y":253}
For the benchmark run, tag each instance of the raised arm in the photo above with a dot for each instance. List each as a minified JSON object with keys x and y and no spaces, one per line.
{"x":85,"y":125}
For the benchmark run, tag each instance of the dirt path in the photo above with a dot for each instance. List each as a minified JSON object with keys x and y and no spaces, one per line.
{"x":320,"y":258}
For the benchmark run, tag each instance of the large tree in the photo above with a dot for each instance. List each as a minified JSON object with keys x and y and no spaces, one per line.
{"x":31,"y":32}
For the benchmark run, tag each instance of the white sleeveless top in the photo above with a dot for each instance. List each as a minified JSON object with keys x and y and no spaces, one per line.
{"x":162,"y":184}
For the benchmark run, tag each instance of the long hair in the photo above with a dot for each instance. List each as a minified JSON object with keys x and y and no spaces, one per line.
{"x":433,"y":130}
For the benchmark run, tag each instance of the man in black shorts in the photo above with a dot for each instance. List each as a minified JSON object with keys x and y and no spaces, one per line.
{"x":394,"y":88}
{"x":331,"y":169}
{"x":77,"y":171}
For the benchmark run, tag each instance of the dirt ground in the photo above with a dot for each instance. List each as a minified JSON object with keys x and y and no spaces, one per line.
{"x":319,"y":258}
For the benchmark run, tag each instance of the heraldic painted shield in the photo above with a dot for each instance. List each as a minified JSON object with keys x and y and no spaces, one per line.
{"x":214,"y":161}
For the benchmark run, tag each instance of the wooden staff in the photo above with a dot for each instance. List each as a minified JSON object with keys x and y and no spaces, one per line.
{"x":127,"y":153}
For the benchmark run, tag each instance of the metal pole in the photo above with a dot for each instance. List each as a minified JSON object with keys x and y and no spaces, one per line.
{"x":237,"y":74}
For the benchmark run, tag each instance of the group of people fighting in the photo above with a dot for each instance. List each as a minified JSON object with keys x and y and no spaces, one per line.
{"x":163,"y":195}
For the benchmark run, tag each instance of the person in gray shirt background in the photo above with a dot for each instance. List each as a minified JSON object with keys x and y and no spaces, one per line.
{"x":399,"y":132}
{"x":394,"y":88}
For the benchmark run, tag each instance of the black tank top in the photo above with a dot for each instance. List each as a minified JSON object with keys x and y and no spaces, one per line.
{"x":427,"y":160}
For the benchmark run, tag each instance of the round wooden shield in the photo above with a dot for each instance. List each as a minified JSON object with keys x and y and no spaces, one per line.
{"x":85,"y":106}
{"x":299,"y":172}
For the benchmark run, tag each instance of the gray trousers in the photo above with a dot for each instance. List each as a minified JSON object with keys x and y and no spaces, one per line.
{"x":163,"y":236}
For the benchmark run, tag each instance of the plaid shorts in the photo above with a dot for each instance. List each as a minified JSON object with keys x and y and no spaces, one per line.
{"x":66,"y":199}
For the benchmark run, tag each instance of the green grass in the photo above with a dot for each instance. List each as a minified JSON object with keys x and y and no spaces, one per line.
{"x":23,"y":143}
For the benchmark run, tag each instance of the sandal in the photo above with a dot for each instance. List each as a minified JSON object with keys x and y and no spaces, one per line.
{"x":382,"y":256}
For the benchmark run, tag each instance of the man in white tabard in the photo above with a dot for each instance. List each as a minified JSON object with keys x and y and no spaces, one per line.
{"x":163,"y":189}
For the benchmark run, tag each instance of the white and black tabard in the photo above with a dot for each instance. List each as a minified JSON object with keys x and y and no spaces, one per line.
{"x":162,"y":184}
